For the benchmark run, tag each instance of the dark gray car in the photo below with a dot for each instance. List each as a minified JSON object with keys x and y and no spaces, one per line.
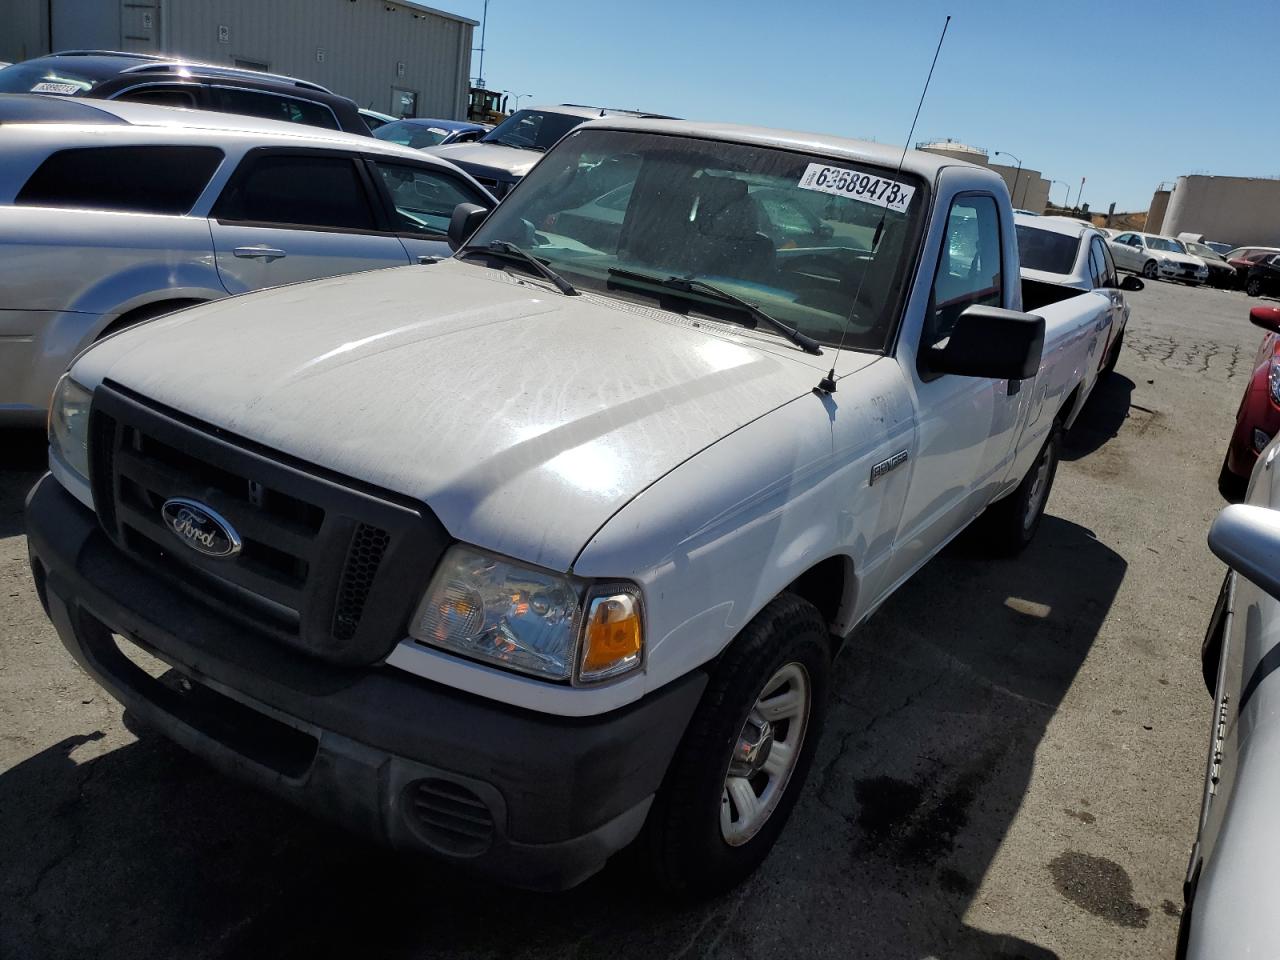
{"x":501,"y":158}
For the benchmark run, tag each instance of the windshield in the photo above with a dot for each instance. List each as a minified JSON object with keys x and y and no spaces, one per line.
{"x":792,"y":233}
{"x":1046,"y":250}
{"x":45,"y":77}
{"x":416,"y":135}
{"x":532,"y":129}
{"x":1200,"y":250}
{"x":1165,"y":244}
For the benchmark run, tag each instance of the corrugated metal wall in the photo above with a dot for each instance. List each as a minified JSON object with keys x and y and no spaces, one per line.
{"x":24,"y":29}
{"x":363,"y":49}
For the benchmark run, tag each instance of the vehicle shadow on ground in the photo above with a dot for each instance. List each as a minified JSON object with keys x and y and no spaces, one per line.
{"x":939,"y":705}
{"x":1102,"y":417}
{"x":23,"y":454}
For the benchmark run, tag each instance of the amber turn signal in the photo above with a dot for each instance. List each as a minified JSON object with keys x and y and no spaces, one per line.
{"x":612,"y":637}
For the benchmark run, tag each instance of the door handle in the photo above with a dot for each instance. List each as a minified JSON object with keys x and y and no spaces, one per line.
{"x":259,"y":253}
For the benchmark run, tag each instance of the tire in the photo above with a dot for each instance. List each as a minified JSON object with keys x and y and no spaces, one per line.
{"x":1211,"y":648}
{"x":1010,"y":524}
{"x":697,"y":841}
{"x":143,"y":314}
{"x":1231,"y":486}
{"x":1254,"y":287}
{"x":1113,"y":357}
{"x":1150,"y":270}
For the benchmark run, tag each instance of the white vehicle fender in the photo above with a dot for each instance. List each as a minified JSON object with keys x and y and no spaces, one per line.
{"x":716,"y":539}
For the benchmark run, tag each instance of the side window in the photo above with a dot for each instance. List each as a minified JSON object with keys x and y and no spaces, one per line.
{"x":134,"y":179}
{"x":1124,"y":238}
{"x":298,"y":190}
{"x":424,"y":198}
{"x":274,"y":106}
{"x":968,"y":267}
{"x":1108,"y":265}
{"x":1096,"y":272}
{"x":171,"y":96}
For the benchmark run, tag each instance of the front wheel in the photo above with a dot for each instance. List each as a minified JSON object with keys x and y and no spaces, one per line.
{"x":1254,"y":287}
{"x":745,"y":755}
{"x":1011,"y":523}
{"x":1150,"y":270}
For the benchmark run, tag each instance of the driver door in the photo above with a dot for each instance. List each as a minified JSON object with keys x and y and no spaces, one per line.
{"x":1122,"y":252}
{"x":966,"y":429}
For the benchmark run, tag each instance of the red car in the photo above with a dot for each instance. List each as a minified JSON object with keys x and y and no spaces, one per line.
{"x":1258,"y":419}
{"x":1243,"y":258}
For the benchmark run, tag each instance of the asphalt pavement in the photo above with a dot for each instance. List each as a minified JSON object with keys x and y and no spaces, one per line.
{"x":1011,"y":769}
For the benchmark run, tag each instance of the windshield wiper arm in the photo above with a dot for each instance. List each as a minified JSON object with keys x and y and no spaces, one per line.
{"x":509,"y":250}
{"x":689,"y":284}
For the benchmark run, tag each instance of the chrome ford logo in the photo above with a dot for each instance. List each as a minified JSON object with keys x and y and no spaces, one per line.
{"x":200,"y":528}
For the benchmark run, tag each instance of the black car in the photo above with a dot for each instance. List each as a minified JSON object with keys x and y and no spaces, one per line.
{"x":1263,"y":279}
{"x":169,"y":82}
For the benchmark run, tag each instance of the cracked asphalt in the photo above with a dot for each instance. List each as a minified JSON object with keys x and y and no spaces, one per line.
{"x":1011,"y":768}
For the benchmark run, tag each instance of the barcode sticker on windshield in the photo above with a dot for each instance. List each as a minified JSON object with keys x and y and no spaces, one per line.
{"x":47,"y":87}
{"x":864,"y":187}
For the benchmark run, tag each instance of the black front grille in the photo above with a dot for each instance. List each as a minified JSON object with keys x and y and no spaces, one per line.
{"x":326,"y":565}
{"x":367,"y":547}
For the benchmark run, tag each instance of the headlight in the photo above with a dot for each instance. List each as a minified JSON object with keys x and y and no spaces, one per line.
{"x":527,"y":619}
{"x":69,"y":424}
{"x":1273,"y":380}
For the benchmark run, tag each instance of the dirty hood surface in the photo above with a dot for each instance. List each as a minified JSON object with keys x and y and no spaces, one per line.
{"x":522,"y":417}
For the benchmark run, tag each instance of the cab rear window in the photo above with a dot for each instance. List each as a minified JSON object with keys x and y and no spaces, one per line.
{"x":134,"y":179}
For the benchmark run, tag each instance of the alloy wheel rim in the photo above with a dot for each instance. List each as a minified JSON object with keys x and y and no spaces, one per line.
{"x":765,"y":754}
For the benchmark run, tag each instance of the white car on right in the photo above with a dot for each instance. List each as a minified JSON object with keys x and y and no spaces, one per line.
{"x":1157,"y":258}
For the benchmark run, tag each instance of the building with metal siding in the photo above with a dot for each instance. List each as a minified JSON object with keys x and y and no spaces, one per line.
{"x":395,"y":56}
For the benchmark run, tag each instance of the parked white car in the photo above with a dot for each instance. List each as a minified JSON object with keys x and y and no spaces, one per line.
{"x":113,"y":213}
{"x":523,"y":555}
{"x":1057,"y":253}
{"x":1230,"y":886}
{"x":1157,"y":258}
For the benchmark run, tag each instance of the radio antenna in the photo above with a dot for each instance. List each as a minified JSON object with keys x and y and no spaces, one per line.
{"x":828,"y":383}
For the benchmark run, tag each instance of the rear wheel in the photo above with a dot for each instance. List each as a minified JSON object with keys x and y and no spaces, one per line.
{"x":745,"y":756}
{"x":1113,"y":357}
{"x":1010,"y":524}
{"x":1254,"y":287}
{"x":1150,"y":270}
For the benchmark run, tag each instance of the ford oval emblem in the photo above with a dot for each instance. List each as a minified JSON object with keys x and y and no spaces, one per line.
{"x":200,"y":528}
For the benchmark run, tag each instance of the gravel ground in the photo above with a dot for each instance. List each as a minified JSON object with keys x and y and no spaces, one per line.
{"x":1011,"y":769}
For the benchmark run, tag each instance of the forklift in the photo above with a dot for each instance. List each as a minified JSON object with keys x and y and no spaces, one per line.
{"x":486,"y":106}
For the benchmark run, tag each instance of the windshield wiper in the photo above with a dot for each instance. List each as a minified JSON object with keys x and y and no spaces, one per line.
{"x":519,"y":146}
{"x":690,"y":284}
{"x":507,"y":249}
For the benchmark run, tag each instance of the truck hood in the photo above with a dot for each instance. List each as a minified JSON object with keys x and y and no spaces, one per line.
{"x":489,"y":159}
{"x":524,"y":418}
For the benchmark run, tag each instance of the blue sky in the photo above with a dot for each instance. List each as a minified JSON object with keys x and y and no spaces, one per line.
{"x":1125,"y":93}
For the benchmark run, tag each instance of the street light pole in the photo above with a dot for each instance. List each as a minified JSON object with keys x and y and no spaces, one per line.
{"x":1066,"y":199}
{"x":1016,"y":177}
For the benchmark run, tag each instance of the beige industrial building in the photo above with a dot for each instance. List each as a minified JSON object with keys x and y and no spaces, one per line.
{"x":1234,"y":210}
{"x":396,"y":56}
{"x":1028,"y":189}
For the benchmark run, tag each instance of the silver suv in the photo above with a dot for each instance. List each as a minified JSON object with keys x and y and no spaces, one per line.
{"x":114,"y":213}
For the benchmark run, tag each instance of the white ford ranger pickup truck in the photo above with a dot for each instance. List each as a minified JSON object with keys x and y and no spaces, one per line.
{"x":525,"y":555}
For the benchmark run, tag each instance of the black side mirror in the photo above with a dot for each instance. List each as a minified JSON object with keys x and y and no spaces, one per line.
{"x":992,"y":343}
{"x":1132,"y":282}
{"x":1268,"y":318}
{"x":465,"y":221}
